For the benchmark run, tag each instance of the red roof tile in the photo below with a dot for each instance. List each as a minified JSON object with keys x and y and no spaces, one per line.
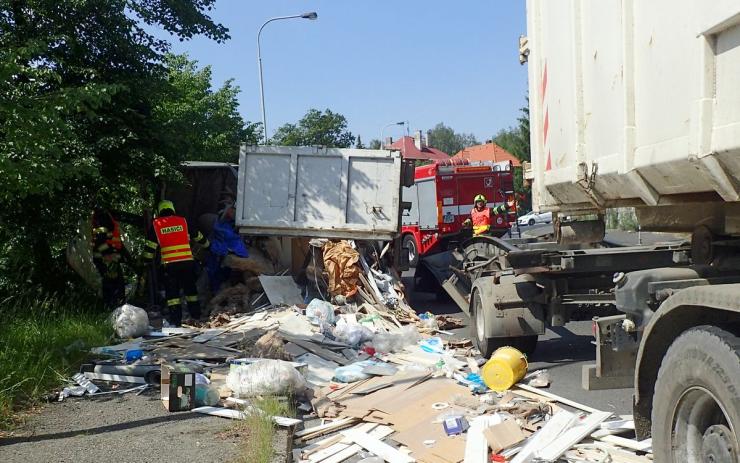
{"x":487,"y":152}
{"x":410,"y":151}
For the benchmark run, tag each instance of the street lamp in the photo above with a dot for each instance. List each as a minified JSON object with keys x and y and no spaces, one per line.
{"x":385,"y":127}
{"x":311,"y":16}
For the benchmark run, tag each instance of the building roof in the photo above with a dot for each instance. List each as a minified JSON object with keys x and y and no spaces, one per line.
{"x":487,"y":152}
{"x":410,"y":151}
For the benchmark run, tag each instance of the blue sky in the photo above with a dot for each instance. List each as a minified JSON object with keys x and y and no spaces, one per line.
{"x":376,"y":62}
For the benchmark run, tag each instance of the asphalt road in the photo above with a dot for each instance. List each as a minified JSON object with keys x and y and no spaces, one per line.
{"x":562,"y":351}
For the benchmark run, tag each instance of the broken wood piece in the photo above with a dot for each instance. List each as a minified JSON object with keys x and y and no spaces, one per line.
{"x":339,"y":443}
{"x":379,"y":448}
{"x":380,"y":432}
{"x":556,"y":398}
{"x":321,"y":352}
{"x":575,"y":434}
{"x":641,"y":446}
{"x":326,"y":428}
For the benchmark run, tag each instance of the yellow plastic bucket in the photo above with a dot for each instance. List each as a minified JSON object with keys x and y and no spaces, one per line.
{"x":504,"y":369}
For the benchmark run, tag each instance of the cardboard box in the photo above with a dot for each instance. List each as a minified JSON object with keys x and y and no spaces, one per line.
{"x":503,"y":435}
{"x":178,"y":389}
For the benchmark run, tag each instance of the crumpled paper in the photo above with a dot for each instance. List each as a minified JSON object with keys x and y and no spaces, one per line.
{"x":340,"y":264}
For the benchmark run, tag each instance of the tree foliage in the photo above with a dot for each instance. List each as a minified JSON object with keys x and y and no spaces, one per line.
{"x":358,"y":144}
{"x":325,"y":128}
{"x":516,"y":141}
{"x":202,"y":124}
{"x":446,"y":139}
{"x":80,"y":83}
{"x":374,"y":144}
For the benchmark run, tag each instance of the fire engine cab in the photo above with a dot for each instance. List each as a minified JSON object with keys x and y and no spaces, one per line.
{"x":441,"y":200}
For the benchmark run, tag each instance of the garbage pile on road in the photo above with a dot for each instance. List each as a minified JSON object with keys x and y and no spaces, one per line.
{"x":348,"y":349}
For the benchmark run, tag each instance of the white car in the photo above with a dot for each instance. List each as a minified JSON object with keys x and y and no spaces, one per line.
{"x":532,"y":218}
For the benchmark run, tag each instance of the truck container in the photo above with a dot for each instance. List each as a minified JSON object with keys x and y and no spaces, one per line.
{"x":441,"y":199}
{"x":636,"y":103}
{"x":319,"y":192}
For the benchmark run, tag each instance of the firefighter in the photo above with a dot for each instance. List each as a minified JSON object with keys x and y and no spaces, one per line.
{"x":108,"y":252}
{"x":481,"y":217}
{"x":171,"y":235}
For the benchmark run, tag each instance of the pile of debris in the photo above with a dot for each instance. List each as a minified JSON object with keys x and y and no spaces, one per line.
{"x":383,"y":380}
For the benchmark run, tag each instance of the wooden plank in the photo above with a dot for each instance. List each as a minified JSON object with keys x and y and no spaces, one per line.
{"x":377,"y":447}
{"x":379,"y":433}
{"x":556,"y":398}
{"x":341,"y":444}
{"x":327,"y":427}
{"x":321,"y":352}
{"x":572,"y":436}
{"x":544,"y":436}
{"x":641,"y":446}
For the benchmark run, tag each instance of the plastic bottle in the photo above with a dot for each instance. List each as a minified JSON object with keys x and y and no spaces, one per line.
{"x":206,"y":395}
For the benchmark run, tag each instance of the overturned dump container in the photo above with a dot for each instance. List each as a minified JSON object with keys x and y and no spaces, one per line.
{"x":319,"y":192}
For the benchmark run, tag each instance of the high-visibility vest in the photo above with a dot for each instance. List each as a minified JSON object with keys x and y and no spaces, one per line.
{"x":114,"y":237}
{"x":174,"y":240}
{"x":481,"y":220}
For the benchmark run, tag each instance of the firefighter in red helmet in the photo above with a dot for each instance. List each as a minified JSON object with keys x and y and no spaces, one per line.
{"x":171,"y":235}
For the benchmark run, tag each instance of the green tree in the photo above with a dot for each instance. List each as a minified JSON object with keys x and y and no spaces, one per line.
{"x":325,"y":128}
{"x":374,"y":144}
{"x":446,"y":139}
{"x":202,"y":124}
{"x":516,"y":141}
{"x":359,"y":144}
{"x":79,"y":83}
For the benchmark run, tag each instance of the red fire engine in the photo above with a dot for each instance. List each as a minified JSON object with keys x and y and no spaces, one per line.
{"x":441,"y":200}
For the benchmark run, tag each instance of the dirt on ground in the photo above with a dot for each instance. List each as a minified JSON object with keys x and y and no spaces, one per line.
{"x":126,"y":428}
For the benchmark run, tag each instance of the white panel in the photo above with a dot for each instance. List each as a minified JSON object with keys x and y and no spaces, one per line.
{"x":268,"y":178}
{"x":428,"y":218}
{"x":411,"y":217}
{"x":324,"y":192}
{"x":319,"y":201}
{"x":369,"y":185}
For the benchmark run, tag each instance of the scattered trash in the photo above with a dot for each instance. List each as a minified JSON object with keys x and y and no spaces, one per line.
{"x":265,"y":377}
{"x":319,"y":312}
{"x":130,"y":321}
{"x":505,"y":368}
{"x":539,"y":378}
{"x":396,"y":341}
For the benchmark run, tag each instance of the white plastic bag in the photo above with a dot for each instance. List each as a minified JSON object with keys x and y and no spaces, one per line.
{"x":130,"y":321}
{"x":395,"y":341}
{"x":265,"y":377}
{"x":353,"y":372}
{"x":319,"y":311}
{"x":351,"y":334}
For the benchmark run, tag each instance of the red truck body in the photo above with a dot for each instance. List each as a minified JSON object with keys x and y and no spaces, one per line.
{"x":442,"y":198}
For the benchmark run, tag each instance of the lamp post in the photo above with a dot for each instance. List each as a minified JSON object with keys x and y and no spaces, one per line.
{"x":312,"y":15}
{"x":382,"y":142}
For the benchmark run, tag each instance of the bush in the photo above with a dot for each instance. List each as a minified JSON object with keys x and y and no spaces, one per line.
{"x":43,"y":340}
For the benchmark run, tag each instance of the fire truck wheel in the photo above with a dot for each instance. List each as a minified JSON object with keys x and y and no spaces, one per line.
{"x":695,"y":416}
{"x":410,"y":244}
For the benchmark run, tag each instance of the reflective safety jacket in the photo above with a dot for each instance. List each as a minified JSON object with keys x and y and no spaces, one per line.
{"x":173,"y":240}
{"x":107,"y":242}
{"x":482,"y":219}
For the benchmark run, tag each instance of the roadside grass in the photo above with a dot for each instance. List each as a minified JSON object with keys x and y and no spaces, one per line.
{"x":43,"y":339}
{"x":258,"y":430}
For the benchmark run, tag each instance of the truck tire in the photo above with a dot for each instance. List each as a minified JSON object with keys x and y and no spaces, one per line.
{"x":487,"y":346}
{"x":696,"y":405}
{"x":410,"y":244}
